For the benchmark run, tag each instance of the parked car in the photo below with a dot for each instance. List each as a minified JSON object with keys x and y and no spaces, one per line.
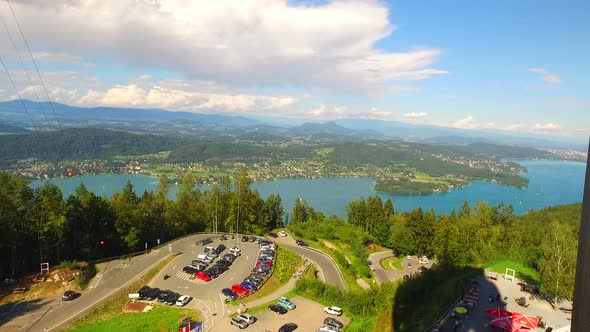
{"x":409,"y":258}
{"x":248,"y":286}
{"x":164,"y":295}
{"x":248,"y":318}
{"x":172,"y":298}
{"x":235,"y":249}
{"x":197,"y":263}
{"x":208,"y":249}
{"x":220,"y":248}
{"x":273,"y":235}
{"x":261,"y":269}
{"x":143,"y":291}
{"x":333,"y":322}
{"x":153,"y":294}
{"x":327,"y":328}
{"x":239,"y":289}
{"x":203,"y":276}
{"x":336,"y":311}
{"x":252,"y":239}
{"x":252,"y":281}
{"x":212,"y":254}
{"x":229,"y":293}
{"x":263,"y":262}
{"x":278,"y":309}
{"x":285,"y":302}
{"x":229,"y":257}
{"x":204,"y":241}
{"x":282,"y":233}
{"x":302,"y":243}
{"x":183,"y":300}
{"x":213,"y":272}
{"x":190,"y":270}
{"x":289,"y":327}
{"x":237,"y":321}
{"x":245,"y":238}
{"x":68,"y":295}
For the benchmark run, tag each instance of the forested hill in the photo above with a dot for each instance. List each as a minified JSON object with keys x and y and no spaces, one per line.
{"x":80,"y":143}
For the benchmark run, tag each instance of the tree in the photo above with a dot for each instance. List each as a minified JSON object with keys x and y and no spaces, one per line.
{"x":558,"y":261}
{"x":273,"y":212}
{"x":388,"y":208}
{"x":401,"y":236}
{"x":49,"y":215}
{"x":357,"y":213}
{"x":301,"y":212}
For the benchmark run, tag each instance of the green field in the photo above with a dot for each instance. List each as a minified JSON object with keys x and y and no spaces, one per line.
{"x":161,"y":318}
{"x":393,"y":263}
{"x":523,"y":272}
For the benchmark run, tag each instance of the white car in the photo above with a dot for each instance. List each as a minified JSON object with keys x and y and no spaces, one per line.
{"x":183,"y":300}
{"x":235,"y":249}
{"x":248,"y":318}
{"x":282,"y":233}
{"x":409,"y":258}
{"x":267,"y":248}
{"x":327,"y":328}
{"x":333,"y":311}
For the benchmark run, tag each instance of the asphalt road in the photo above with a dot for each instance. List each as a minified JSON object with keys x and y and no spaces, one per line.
{"x":328,"y":269}
{"x":381,"y":274}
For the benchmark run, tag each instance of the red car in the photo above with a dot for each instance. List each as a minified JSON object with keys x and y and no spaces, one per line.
{"x":239,"y":289}
{"x":269,"y":264}
{"x":203,"y":276}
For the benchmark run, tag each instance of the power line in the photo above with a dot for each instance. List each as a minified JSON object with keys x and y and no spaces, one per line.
{"x":17,"y":92}
{"x":21,"y":62}
{"x":34,"y":63}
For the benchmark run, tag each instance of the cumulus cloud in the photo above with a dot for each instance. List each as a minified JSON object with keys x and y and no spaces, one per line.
{"x":261,"y":42}
{"x":537,"y":128}
{"x":545,"y":75}
{"x":416,"y":115}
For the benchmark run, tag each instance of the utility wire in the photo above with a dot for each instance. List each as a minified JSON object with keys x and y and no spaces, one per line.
{"x":22,"y":63}
{"x":17,"y":92}
{"x":34,"y":63}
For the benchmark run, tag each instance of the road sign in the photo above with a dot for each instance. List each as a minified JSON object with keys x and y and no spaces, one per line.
{"x":146,"y":246}
{"x":158,"y":240}
{"x":169,"y":247}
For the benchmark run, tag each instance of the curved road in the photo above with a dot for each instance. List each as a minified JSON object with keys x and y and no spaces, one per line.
{"x":328,"y":268}
{"x":381,"y":274}
{"x":51,"y":314}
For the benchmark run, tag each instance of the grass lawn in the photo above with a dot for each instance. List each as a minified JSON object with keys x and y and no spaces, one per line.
{"x":161,"y":318}
{"x":392,"y":263}
{"x":112,"y":308}
{"x":523,"y":272}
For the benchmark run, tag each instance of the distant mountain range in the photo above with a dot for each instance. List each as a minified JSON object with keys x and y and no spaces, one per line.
{"x":215,"y":126}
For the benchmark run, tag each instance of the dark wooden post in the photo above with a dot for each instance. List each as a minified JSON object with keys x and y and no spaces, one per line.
{"x":581,"y":314}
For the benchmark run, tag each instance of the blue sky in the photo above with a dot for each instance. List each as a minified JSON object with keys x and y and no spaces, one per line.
{"x":518,"y":66}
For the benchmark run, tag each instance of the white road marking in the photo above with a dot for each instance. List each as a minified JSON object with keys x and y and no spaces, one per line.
{"x":97,"y":281}
{"x":174,"y":267}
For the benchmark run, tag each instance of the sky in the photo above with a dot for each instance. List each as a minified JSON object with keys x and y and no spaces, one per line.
{"x":515,"y":66}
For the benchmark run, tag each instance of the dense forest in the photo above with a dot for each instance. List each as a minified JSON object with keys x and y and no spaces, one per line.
{"x":80,"y":143}
{"x":41,"y":226}
{"x":545,"y":240}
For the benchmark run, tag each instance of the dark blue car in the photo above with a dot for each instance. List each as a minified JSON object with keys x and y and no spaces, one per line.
{"x":229,"y":293}
{"x":248,"y":285}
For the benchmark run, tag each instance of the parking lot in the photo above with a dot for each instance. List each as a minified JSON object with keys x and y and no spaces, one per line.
{"x":208,"y":298}
{"x":308,"y":315}
{"x":207,"y":295}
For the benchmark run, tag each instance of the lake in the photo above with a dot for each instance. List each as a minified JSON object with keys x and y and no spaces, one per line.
{"x":550,"y":183}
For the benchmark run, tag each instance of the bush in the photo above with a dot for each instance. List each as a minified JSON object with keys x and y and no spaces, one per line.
{"x":72,"y":265}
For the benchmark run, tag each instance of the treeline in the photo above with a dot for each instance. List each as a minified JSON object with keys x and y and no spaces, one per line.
{"x":41,"y":226}
{"x":546,"y":239}
{"x":80,"y":143}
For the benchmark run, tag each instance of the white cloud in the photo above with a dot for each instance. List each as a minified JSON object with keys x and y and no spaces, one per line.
{"x":259,"y":42}
{"x":416,"y":115}
{"x":552,"y":79}
{"x":545,"y":75}
{"x":537,"y":128}
{"x":541,"y":71}
{"x":161,"y":96}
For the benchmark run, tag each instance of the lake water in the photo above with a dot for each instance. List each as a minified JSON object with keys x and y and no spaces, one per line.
{"x":550,"y":183}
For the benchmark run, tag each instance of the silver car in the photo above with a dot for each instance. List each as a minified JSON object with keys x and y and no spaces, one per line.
{"x":239,"y":322}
